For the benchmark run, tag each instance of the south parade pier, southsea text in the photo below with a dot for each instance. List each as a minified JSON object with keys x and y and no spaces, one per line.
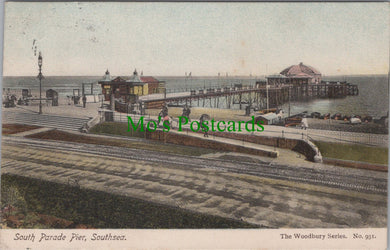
{"x":195,"y":126}
{"x":66,"y":237}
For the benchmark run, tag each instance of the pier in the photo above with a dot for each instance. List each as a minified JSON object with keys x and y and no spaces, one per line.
{"x":254,"y":96}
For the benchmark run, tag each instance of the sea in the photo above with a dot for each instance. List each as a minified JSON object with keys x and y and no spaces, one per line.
{"x":373,"y":98}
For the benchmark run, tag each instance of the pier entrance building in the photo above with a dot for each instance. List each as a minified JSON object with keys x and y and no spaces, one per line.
{"x":128,"y":89}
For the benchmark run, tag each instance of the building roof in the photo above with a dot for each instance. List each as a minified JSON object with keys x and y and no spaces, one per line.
{"x":134,"y":79}
{"x":300,"y":69}
{"x":123,"y":80}
{"x":149,"y":79}
{"x":119,"y":79}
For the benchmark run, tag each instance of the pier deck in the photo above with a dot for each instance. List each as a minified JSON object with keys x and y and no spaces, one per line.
{"x":250,"y":95}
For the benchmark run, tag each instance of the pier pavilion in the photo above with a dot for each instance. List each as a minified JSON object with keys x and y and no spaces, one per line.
{"x":295,"y":75}
{"x":302,"y":74}
{"x":130,"y":88}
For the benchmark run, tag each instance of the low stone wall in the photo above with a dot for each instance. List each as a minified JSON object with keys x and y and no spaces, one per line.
{"x":93,"y":122}
{"x":205,"y":143}
{"x":305,"y":147}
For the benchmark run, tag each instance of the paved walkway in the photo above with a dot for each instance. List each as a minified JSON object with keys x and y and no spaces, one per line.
{"x":285,"y":156}
{"x":76,"y":111}
{"x":44,"y":120}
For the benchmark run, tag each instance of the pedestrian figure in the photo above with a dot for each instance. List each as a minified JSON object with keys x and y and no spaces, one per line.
{"x":304,"y":123}
{"x":163,"y":113}
{"x":205,"y":129}
{"x":186,"y":113}
{"x":84,"y":101}
{"x":164,"y":110}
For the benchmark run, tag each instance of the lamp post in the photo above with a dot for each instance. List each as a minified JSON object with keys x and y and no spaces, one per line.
{"x":40,"y":77}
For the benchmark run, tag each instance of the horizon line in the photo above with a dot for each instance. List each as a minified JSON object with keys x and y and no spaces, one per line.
{"x":196,"y":76}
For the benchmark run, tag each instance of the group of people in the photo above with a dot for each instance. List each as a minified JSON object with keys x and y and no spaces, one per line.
{"x":76,"y":100}
{"x":186,"y":113}
{"x":9,"y":101}
{"x":164,"y":112}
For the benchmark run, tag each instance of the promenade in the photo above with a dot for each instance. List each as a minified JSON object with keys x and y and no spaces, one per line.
{"x":91,"y":110}
{"x":72,"y":117}
{"x":271,"y":192}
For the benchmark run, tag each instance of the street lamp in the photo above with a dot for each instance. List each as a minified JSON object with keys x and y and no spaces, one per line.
{"x":40,"y":77}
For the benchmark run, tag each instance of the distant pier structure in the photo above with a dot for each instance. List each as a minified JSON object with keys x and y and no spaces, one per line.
{"x":295,"y":83}
{"x":302,"y":82}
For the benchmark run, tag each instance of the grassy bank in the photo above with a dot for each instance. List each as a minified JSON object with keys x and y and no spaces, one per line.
{"x":100,"y":209}
{"x":353,"y":152}
{"x":116,"y":128}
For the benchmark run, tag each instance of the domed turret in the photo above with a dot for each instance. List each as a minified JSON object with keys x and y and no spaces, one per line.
{"x":107,"y":76}
{"x":135,"y":77}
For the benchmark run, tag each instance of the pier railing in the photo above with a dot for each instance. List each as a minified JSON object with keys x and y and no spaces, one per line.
{"x":276,"y":94}
{"x":122,"y":117}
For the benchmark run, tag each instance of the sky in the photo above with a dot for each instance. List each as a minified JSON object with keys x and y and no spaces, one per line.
{"x":170,"y":39}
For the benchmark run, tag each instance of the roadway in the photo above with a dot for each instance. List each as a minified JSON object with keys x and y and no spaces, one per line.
{"x":226,"y":185}
{"x":351,"y":179}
